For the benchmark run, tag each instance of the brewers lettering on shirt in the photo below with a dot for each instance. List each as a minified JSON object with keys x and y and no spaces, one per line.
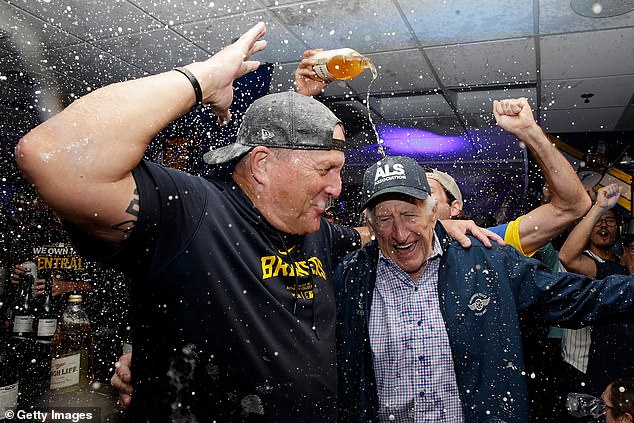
{"x":275,"y":266}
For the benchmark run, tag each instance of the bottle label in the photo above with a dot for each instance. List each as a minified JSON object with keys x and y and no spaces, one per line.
{"x":65,"y":371}
{"x":8,"y":398}
{"x":321,"y":69}
{"x":46,"y":327}
{"x":23,"y":324}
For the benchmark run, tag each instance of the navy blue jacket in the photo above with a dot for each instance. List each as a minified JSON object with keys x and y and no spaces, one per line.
{"x":481,"y":292}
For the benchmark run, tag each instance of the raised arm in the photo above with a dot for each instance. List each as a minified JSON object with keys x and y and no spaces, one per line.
{"x":571,"y":252}
{"x":569,"y":201}
{"x":80,"y":160}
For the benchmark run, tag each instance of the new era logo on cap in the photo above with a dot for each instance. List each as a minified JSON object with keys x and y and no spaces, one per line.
{"x":265,"y":134}
{"x":394,"y":174}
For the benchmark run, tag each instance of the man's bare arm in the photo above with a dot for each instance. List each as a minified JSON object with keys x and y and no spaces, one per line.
{"x":80,"y":160}
{"x":571,"y":252}
{"x":569,"y":201}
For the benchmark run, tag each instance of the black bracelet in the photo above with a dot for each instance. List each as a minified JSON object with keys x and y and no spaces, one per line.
{"x":192,"y":79}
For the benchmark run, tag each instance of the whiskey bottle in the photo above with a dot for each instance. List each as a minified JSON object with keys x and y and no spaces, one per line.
{"x":341,"y":64}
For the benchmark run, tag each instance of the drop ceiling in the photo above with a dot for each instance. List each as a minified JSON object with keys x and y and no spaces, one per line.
{"x":440,"y":63}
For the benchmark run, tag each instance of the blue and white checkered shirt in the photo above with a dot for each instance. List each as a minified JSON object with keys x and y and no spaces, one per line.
{"x":414,"y":369}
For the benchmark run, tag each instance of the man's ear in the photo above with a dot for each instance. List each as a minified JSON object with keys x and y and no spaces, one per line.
{"x":626,"y":418}
{"x":259,"y":165}
{"x":455,"y":208}
{"x":368,"y":224}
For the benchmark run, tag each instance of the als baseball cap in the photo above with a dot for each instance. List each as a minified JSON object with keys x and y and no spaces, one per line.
{"x":394,"y":174}
{"x":281,"y":120}
{"x":447,"y":182}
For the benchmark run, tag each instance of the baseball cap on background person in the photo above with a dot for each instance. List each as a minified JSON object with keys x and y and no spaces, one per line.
{"x":394,"y":174}
{"x":447,"y":182}
{"x":281,"y":120}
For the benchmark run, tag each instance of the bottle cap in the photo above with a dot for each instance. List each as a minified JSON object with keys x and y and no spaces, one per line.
{"x":75,"y":298}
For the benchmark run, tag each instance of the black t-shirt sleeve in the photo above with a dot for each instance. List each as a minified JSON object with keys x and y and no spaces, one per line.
{"x":169,"y":203}
{"x":344,"y":239}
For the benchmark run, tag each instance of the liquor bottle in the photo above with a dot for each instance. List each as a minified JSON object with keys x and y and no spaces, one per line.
{"x":8,"y":377}
{"x":45,"y":319}
{"x":22,"y":313}
{"x":341,"y":64}
{"x":71,"y":349}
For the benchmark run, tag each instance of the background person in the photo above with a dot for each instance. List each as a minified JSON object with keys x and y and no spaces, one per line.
{"x":568,"y":198}
{"x":600,"y":353}
{"x":618,"y":398}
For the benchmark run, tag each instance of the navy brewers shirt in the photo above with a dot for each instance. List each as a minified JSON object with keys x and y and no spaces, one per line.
{"x":233,"y":320}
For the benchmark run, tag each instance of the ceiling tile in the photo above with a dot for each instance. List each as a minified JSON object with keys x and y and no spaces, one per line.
{"x":588,"y":54}
{"x":91,"y":19}
{"x":413,"y":106}
{"x":556,"y":16}
{"x":581,"y":120}
{"x":90,"y":65}
{"x":478,"y":101}
{"x":463,"y":21}
{"x":366,"y":26}
{"x":398,"y":71}
{"x":607,"y":92}
{"x":175,"y":12}
{"x":213,"y":35}
{"x":477,"y":64}
{"x":28,"y":33}
{"x":154,"y":51}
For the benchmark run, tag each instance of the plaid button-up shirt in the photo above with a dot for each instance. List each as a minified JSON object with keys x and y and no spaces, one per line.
{"x":413,"y":363}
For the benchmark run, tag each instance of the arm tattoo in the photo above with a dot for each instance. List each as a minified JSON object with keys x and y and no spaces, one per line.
{"x":126,"y":226}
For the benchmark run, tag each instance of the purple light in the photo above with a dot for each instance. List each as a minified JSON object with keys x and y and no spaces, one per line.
{"x":408,"y":141}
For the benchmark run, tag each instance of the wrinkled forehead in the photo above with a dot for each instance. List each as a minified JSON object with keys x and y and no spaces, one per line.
{"x":392,"y":201}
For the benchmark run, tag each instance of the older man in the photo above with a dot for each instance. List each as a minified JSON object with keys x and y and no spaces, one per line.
{"x":428,"y":330}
